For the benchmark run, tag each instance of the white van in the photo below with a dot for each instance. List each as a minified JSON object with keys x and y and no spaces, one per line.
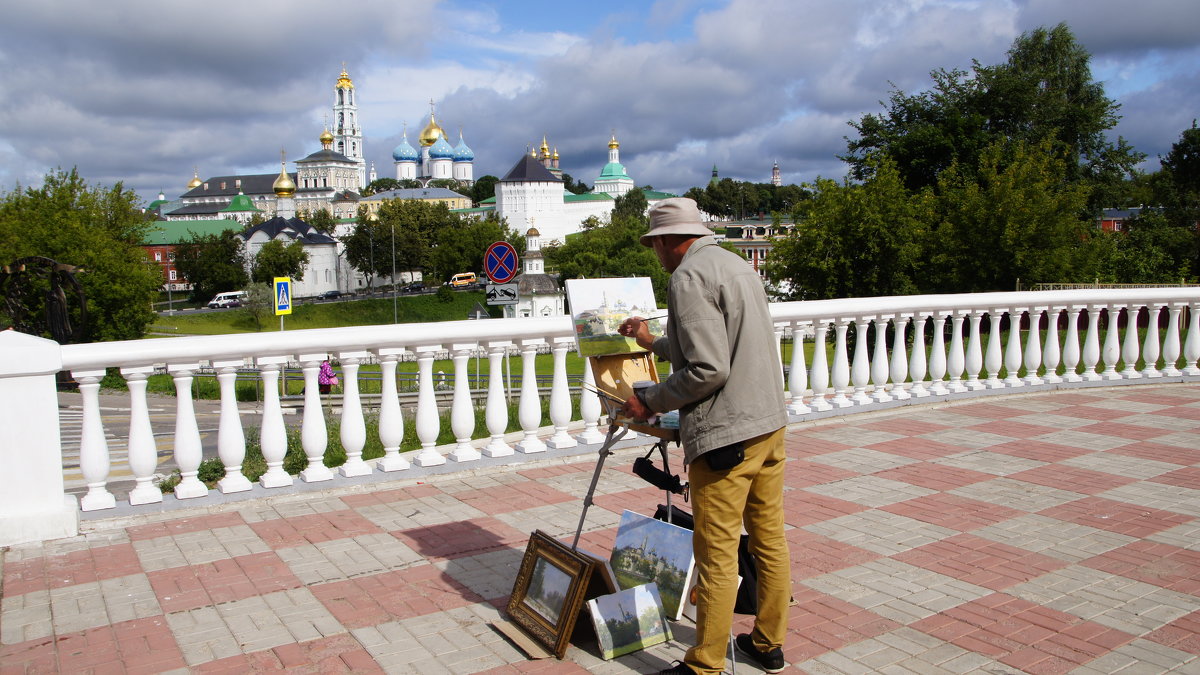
{"x":227,"y":299}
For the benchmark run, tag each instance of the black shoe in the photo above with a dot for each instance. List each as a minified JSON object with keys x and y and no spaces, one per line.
{"x":680,"y":668}
{"x":771,"y":662}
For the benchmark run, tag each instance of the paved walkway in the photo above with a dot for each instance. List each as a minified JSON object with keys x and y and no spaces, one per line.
{"x":1047,"y":533}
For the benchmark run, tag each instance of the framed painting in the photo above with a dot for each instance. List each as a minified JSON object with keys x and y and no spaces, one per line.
{"x":598,"y":306}
{"x":549,"y":591}
{"x":629,"y":620}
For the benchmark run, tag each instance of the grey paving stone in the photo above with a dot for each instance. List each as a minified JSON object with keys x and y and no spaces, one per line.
{"x":1122,"y":465}
{"x":898,"y":591}
{"x":1157,"y":496}
{"x":863,"y":460}
{"x":1082,"y":439}
{"x":560,"y":520}
{"x":1053,"y":537}
{"x":1017,"y":494}
{"x":989,"y":462}
{"x":25,"y":617}
{"x":348,"y":558}
{"x":1141,"y":657}
{"x":870,"y":490}
{"x":852,"y":435}
{"x":1131,"y":606}
{"x":880,"y":531}
{"x":1183,"y":536}
{"x":198,"y":548}
{"x":202,"y":635}
{"x":421,"y":512}
{"x":490,"y":574}
{"x":1161,"y":422}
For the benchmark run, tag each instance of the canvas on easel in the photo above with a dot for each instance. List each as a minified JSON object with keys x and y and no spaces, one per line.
{"x":599,"y":306}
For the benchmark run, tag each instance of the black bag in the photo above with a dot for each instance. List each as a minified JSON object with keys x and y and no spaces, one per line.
{"x":747,"y":594}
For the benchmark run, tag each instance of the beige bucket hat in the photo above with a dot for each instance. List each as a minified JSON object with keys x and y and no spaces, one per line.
{"x":678,"y":215}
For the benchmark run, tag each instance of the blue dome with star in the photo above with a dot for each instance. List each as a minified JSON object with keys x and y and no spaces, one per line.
{"x":404,"y":152}
{"x":462,"y":153}
{"x":441,"y":149}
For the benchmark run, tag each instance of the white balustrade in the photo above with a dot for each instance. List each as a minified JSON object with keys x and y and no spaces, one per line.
{"x":560,"y":397}
{"x":462,"y":408}
{"x":529,"y":406}
{"x":880,"y":376}
{"x":1112,"y":345}
{"x":94,"y":462}
{"x":391,"y":421}
{"x":975,"y":353}
{"x":231,"y":438}
{"x":819,"y":377}
{"x":272,"y":432}
{"x":937,"y":356}
{"x":994,"y":359}
{"x":496,"y":408}
{"x":1033,"y":351}
{"x":797,"y":373}
{"x":428,"y":423}
{"x":314,"y":436}
{"x":899,"y":373}
{"x":1051,"y":353}
{"x":143,"y":453}
{"x":880,"y":369}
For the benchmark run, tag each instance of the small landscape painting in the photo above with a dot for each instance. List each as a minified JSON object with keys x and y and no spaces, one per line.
{"x":599,"y":306}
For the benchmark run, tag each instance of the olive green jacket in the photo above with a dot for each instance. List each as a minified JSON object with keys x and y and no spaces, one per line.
{"x":726,"y":380}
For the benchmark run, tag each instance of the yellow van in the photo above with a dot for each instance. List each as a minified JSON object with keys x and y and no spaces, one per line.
{"x":462,"y":280}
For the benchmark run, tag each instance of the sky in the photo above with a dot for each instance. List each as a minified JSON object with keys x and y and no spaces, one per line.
{"x":144,"y":91}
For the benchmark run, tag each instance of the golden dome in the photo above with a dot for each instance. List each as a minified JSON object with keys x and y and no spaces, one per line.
{"x":326,"y":138}
{"x":344,"y":81}
{"x":283,"y":185}
{"x":431,"y":133}
{"x":195,"y":182}
{"x":555,"y":155}
{"x":545,"y":147}
{"x":613,"y":143}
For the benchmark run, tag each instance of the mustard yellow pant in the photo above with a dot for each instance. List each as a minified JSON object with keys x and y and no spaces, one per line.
{"x":722,"y":501}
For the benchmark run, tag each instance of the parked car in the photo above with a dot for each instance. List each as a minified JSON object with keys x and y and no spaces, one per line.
{"x":414,"y":287}
{"x":330,"y":295}
{"x":227,"y":299}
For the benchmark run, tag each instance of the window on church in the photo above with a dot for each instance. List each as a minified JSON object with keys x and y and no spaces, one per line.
{"x":173,"y":275}
{"x":158,"y":256}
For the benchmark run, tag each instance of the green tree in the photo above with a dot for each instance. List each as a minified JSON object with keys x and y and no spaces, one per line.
{"x":484,"y":188}
{"x":609,"y":250}
{"x":631,"y":206}
{"x":1151,"y":250}
{"x":857,"y":240}
{"x":321,"y":220}
{"x":1179,"y":189}
{"x":259,"y":303}
{"x":461,"y":246}
{"x":96,"y":228}
{"x":365,"y":248}
{"x":1010,"y":218}
{"x":275,"y":259}
{"x":448,"y":183}
{"x":212,"y":263}
{"x":381,"y":185}
{"x":573,"y":186}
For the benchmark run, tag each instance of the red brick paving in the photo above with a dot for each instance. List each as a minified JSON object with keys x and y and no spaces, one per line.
{"x":390,"y":496}
{"x":191,"y":586}
{"x":335,"y":654}
{"x":805,"y":508}
{"x":313,"y":528}
{"x":1160,"y":564}
{"x":515,"y":497}
{"x":1039,"y":450}
{"x":393,"y":596}
{"x":1187,"y":478}
{"x":980,"y":561}
{"x":1012,"y":428}
{"x":957,"y":513}
{"x":818,"y":624}
{"x":1182,"y":634}
{"x":1119,"y":517}
{"x":813,"y":555}
{"x":798,"y":473}
{"x":184,"y":525}
{"x":906,"y":427}
{"x":916,"y":448}
{"x":460,"y":538}
{"x":1160,"y":452}
{"x":1072,"y":478}
{"x":935,"y":476}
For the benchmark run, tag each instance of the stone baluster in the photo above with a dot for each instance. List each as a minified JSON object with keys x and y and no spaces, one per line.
{"x":496,"y":409}
{"x":1112,"y":344}
{"x":462,"y":408}
{"x":529,"y":407}
{"x":880,"y":368}
{"x":861,"y":372}
{"x":1051,"y":353}
{"x":779,"y":355}
{"x":1071,"y":348}
{"x":819,"y":377}
{"x":1171,"y":341}
{"x":1033,"y":347}
{"x":1151,"y":349}
{"x":797,"y":373}
{"x":589,"y":408}
{"x":841,"y":365}
{"x":918,"y":362}
{"x":143,"y":451}
{"x":1191,"y":348}
{"x":354,"y":426}
{"x":937,"y":356}
{"x":1012,"y":349}
{"x":560,"y":396}
{"x":428,"y":424}
{"x":188,"y":451}
{"x":231,"y":438}
{"x":391,"y":419}
{"x":1130,"y":349}
{"x":94,"y":461}
{"x":975,"y":352}
{"x":956,"y":359}
{"x":272,"y":432}
{"x":1091,"y":345}
{"x":900,"y":385}
{"x":994,"y":360}
{"x":314,"y":436}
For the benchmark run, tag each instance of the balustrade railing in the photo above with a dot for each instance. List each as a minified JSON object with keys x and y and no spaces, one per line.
{"x":866,"y":353}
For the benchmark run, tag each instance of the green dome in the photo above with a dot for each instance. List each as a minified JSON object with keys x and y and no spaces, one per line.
{"x":613,"y":170}
{"x":240,"y":203}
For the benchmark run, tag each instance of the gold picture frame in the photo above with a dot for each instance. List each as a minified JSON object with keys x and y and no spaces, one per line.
{"x":550,"y":590}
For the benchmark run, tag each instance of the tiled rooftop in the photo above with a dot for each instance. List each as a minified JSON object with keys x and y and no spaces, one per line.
{"x":1055,"y":532}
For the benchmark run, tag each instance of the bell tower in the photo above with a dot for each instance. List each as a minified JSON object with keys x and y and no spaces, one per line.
{"x":347,"y":136}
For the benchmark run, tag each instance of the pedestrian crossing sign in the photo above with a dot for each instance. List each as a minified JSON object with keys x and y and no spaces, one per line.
{"x":283,"y":295}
